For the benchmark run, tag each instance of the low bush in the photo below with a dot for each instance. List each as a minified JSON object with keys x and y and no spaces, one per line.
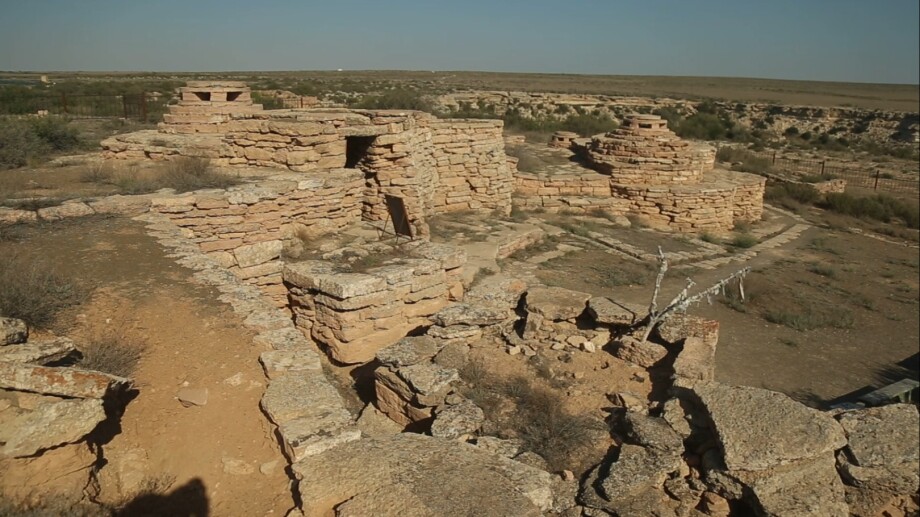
{"x":112,"y":351}
{"x":808,"y":317}
{"x":25,"y":141}
{"x":183,"y":174}
{"x":784,"y":193}
{"x":186,"y":174}
{"x":879,"y":207}
{"x":743,"y":240}
{"x":744,"y":160}
{"x":33,"y":291}
{"x":397,"y":98}
{"x":822,"y":270}
{"x":537,"y":416}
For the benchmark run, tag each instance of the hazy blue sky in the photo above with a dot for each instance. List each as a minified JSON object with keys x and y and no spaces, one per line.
{"x":835,"y":40}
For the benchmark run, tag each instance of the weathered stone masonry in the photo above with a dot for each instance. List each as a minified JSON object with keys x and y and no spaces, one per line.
{"x":646,"y":170}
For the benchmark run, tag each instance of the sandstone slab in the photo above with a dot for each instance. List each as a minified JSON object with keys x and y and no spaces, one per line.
{"x":466,"y":314}
{"x":432,"y":476}
{"x":49,"y":425}
{"x":760,"y":429}
{"x":641,"y":353}
{"x":455,"y":420}
{"x":66,"y":382}
{"x":556,"y":303}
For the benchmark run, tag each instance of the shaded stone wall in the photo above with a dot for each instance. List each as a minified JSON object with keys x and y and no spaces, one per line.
{"x":472,"y":168}
{"x":243,"y":228}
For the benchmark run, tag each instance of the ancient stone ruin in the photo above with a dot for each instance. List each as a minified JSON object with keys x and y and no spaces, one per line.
{"x":407,"y":316}
{"x":205,"y":105}
{"x":645,"y":170}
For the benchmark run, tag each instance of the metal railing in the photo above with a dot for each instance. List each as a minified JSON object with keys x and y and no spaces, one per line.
{"x":139,"y":106}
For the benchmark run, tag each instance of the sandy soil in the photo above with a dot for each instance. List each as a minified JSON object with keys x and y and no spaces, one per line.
{"x":212,"y":453}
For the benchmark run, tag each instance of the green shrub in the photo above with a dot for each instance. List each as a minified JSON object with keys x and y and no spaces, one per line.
{"x":56,"y":132}
{"x":23,"y":141}
{"x":703,"y":126}
{"x":19,"y":145}
{"x":743,"y":240}
{"x":398,"y":98}
{"x":744,"y":160}
{"x":589,"y":125}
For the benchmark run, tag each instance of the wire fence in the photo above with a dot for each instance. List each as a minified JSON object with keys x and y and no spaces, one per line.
{"x":139,"y":106}
{"x":868,"y":178}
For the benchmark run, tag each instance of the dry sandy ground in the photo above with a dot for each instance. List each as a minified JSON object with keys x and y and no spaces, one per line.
{"x":212,"y":452}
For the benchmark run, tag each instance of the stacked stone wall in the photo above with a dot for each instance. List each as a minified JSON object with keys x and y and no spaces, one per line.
{"x":355,"y":314}
{"x":243,"y":228}
{"x":471,"y":166}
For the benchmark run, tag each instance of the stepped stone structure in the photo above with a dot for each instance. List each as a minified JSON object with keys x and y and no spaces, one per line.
{"x":648,"y":171}
{"x":204,"y":106}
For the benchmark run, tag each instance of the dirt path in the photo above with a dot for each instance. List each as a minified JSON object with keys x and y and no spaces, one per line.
{"x":221,"y":456}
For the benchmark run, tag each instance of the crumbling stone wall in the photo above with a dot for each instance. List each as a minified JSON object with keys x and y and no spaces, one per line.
{"x":243,"y":227}
{"x":646,"y":170}
{"x":355,"y":314}
{"x":434,"y":165}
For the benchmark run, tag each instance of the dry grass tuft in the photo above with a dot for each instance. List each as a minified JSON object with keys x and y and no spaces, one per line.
{"x":33,"y":291}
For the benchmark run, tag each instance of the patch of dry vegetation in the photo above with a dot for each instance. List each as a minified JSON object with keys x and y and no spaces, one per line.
{"x":535,"y":415}
{"x":31,"y":290}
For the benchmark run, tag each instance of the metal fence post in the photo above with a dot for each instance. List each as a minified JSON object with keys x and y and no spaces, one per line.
{"x":144,"y":106}
{"x":878,"y":173}
{"x":823,"y":163}
{"x":64,"y":102}
{"x":124,"y":105}
{"x":774,"y":157}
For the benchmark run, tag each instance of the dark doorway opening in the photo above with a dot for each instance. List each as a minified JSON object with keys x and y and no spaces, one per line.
{"x":203,"y":96}
{"x":356,"y":149}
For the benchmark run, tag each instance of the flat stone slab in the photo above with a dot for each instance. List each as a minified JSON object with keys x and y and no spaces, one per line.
{"x":38,"y":351}
{"x":637,"y":469}
{"x":317,"y":432}
{"x":883,"y":436}
{"x":65,"y":382}
{"x":497,"y":291}
{"x":288,"y":338}
{"x":408,"y":351}
{"x":428,"y":378}
{"x":608,"y":312}
{"x":760,"y":429}
{"x":320,"y":276}
{"x":641,"y":353}
{"x":696,"y":360}
{"x":455,"y":420}
{"x":48,"y":425}
{"x":883,"y":448}
{"x":290,"y":397}
{"x":277,"y":362}
{"x":471,"y":315}
{"x":423,"y":475}
{"x":556,"y":303}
